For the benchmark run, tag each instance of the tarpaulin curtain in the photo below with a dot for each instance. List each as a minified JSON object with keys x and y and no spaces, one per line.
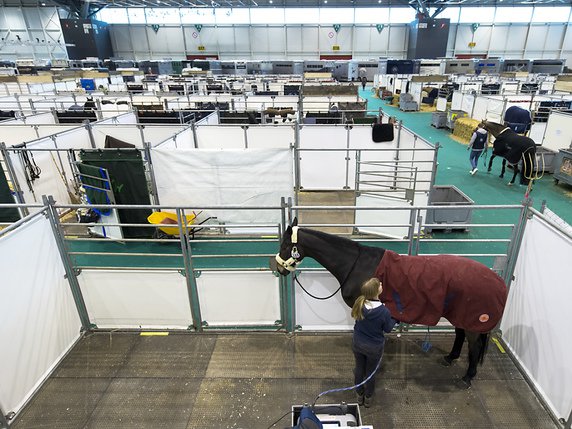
{"x":129,"y":185}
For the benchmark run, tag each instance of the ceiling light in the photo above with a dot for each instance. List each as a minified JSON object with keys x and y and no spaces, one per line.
{"x":270,"y":1}
{"x":325,"y":1}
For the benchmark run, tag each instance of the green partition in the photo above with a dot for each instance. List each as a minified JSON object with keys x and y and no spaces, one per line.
{"x":129,"y":184}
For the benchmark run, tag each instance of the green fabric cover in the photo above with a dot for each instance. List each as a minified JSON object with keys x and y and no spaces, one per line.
{"x":129,"y":184}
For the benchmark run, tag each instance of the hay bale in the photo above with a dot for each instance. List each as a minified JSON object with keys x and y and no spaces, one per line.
{"x":464,"y":128}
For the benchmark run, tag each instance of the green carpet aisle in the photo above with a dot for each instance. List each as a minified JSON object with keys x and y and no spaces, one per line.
{"x":483,"y":188}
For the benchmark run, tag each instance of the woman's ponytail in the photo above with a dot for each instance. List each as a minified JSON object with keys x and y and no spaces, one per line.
{"x":357,"y":309}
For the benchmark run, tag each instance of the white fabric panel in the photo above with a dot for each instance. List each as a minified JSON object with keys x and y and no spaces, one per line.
{"x":223,"y":137}
{"x":536,"y":321}
{"x":495,"y":110}
{"x":415,"y":90}
{"x":441,"y":104}
{"x":267,"y":136}
{"x":509,"y":87}
{"x":38,"y":315}
{"x":324,"y":169}
{"x":384,"y":217}
{"x":537,"y":132}
{"x":183,"y":140}
{"x":126,"y":133}
{"x":239,"y":298}
{"x":157,"y":133}
{"x":467,"y":103}
{"x":13,"y":135}
{"x":136,"y":299}
{"x":480,"y":109}
{"x":243,"y":177}
{"x":210,"y":119}
{"x":558,"y":134}
{"x":124,"y":118}
{"x":41,"y":118}
{"x":49,"y":130}
{"x":457,"y":100}
{"x":321,"y":315}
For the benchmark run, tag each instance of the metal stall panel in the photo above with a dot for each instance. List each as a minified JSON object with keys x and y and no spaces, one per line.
{"x":234,"y":298}
{"x":136,"y":299}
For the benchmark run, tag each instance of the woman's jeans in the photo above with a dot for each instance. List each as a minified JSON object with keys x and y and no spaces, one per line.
{"x":367,"y":355}
{"x":474,"y":158}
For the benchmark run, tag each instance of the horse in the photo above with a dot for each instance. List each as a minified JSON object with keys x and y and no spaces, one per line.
{"x":416,"y":289}
{"x":513,"y":148}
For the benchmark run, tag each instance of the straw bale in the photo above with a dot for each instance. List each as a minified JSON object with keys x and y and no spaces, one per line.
{"x":464,"y":128}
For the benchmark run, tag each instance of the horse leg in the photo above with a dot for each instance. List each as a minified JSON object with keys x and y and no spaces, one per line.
{"x":515,"y":172}
{"x":457,"y":346}
{"x":477,"y":344}
{"x":490,"y":163}
{"x":503,"y":168}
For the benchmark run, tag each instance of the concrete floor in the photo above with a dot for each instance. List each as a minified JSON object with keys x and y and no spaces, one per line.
{"x":249,"y":380}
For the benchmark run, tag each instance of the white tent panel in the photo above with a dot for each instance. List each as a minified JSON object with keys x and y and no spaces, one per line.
{"x":325,"y":315}
{"x":41,"y":118}
{"x":239,"y":298}
{"x":241,"y":177}
{"x":480,"y":108}
{"x":385,"y":218}
{"x":536,"y":321}
{"x":49,"y":130}
{"x":39,"y":318}
{"x":155,"y":134}
{"x":325,"y":169}
{"x":127,"y":133}
{"x":537,"y":132}
{"x":136,"y":299}
{"x":123,"y":118}
{"x":222,"y":137}
{"x":271,"y":137}
{"x":17,"y":134}
{"x":558,"y":134}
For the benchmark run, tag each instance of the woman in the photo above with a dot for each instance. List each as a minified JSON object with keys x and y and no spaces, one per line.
{"x":372,"y":321}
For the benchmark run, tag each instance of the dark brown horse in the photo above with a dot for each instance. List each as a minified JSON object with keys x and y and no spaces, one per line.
{"x":513,"y":148}
{"x":416,"y":289}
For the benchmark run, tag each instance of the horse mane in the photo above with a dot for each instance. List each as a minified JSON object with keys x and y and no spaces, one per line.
{"x":493,"y":127}
{"x":334,"y":239}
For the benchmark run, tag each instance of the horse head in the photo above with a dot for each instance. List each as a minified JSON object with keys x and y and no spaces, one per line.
{"x":493,"y":127}
{"x":290,"y":255}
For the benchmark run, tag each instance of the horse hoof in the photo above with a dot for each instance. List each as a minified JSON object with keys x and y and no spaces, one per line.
{"x":464,"y":383}
{"x":509,"y":184}
{"x":501,"y":176}
{"x":446,"y":361}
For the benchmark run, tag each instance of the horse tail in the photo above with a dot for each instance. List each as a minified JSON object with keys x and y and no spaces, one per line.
{"x":484,"y":347}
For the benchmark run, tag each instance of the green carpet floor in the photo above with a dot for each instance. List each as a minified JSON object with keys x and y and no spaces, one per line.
{"x":483,"y":188}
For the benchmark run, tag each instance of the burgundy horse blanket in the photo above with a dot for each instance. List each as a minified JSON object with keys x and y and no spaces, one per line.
{"x":422,"y":289}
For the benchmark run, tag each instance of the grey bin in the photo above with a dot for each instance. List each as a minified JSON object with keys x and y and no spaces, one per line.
{"x":544,"y":160}
{"x":439,"y":119}
{"x":451,"y":218}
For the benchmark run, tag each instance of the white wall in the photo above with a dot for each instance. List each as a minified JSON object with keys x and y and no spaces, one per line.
{"x":31,"y":23}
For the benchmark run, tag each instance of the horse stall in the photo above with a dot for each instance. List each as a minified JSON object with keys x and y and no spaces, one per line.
{"x":214,"y":277}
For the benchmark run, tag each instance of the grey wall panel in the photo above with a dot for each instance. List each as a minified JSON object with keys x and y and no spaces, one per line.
{"x":242,"y":39}
{"x":397,"y":46}
{"x":310,"y":43}
{"x":139,"y":37}
{"x":167,"y":40}
{"x":294,"y":38}
{"x":120,"y":38}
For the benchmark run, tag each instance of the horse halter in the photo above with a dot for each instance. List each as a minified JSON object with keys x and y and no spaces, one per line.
{"x":290,"y":263}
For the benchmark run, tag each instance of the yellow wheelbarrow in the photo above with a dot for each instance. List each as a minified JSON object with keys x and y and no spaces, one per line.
{"x":169,"y":223}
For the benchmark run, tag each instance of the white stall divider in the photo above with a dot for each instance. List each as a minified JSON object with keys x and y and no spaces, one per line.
{"x":324,"y":169}
{"x":457,"y":100}
{"x":321,"y":315}
{"x":124,"y":118}
{"x":211,"y":119}
{"x":267,"y":136}
{"x":17,"y":134}
{"x":39,"y":319}
{"x":155,"y":134}
{"x":558,"y":134}
{"x":243,"y":177}
{"x":234,"y":298}
{"x":41,"y":118}
{"x":136,"y":299}
{"x":221,"y":137}
{"x":127,"y":133}
{"x":536,"y":320}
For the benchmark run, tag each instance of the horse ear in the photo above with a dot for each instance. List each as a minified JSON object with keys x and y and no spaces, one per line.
{"x":295,"y":221}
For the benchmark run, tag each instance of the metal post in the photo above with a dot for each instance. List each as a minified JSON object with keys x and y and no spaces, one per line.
{"x":147,"y":149}
{"x":71,"y":273}
{"x":411,"y":230}
{"x":98,"y":112}
{"x":3,"y":420}
{"x":435,"y":164}
{"x":568,"y":424}
{"x":358,"y":170}
{"x":396,"y":157}
{"x":515,"y":242}
{"x":296,"y":154}
{"x":13,"y":178}
{"x":189,"y":271}
{"x":301,"y":106}
{"x":245,"y":129}
{"x":54,"y":114}
{"x":348,"y":129}
{"x":32,"y":107}
{"x":194,"y":130}
{"x":17,"y":96}
{"x":90,"y":133}
{"x":141,"y":133}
